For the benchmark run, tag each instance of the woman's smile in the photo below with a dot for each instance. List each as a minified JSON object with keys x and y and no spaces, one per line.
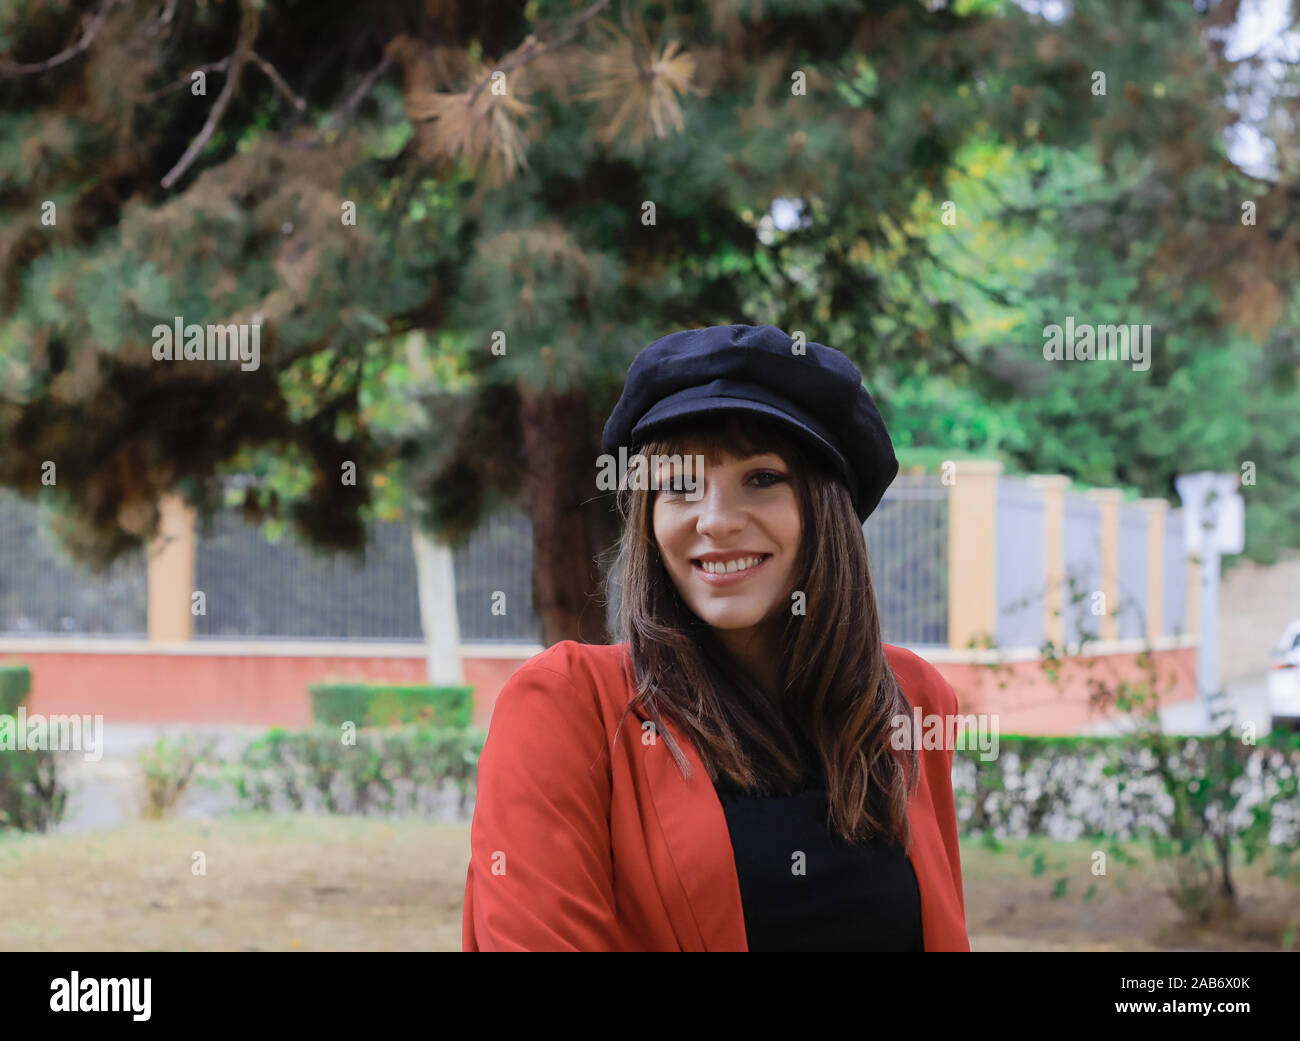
{"x":728,"y":570}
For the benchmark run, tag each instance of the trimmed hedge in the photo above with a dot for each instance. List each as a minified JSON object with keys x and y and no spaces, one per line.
{"x":399,"y":770}
{"x":33,"y":796}
{"x":391,"y":704}
{"x":15,"y":684}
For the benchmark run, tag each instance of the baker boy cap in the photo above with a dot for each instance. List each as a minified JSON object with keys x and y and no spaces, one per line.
{"x":818,"y":396}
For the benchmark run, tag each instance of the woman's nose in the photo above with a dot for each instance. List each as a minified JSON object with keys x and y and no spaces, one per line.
{"x":720,"y":510}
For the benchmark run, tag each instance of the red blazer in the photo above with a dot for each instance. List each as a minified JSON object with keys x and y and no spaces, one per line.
{"x":577,"y":848}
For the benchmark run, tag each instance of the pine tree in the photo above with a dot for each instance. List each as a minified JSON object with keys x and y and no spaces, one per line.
{"x":563,"y":183}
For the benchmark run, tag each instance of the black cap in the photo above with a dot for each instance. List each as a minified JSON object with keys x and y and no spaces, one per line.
{"x":815,"y":391}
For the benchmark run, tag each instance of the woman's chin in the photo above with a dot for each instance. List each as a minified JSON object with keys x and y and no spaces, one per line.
{"x":732,"y":620}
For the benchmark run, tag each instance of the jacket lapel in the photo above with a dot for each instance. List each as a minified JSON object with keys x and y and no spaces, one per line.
{"x":928,"y":860}
{"x":703,"y":894}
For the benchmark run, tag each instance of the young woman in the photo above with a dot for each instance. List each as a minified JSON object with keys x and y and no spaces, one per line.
{"x":741,"y":773}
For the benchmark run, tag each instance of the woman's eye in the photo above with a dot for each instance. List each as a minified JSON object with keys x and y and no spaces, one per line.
{"x":675,"y":484}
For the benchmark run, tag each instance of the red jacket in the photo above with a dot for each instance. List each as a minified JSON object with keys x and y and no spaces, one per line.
{"x":575,"y":848}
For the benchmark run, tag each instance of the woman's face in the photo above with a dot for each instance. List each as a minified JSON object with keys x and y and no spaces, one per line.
{"x":747,"y":514}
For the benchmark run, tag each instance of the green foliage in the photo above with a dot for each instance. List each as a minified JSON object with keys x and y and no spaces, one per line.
{"x":400,"y":770}
{"x":167,"y":769}
{"x":386,"y":704}
{"x":15,"y":683}
{"x":33,"y":795}
{"x":1033,"y":242}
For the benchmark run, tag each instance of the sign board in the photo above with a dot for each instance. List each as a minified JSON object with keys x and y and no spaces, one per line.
{"x":1211,"y":506}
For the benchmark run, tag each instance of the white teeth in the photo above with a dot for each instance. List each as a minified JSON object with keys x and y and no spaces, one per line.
{"x":739,"y":564}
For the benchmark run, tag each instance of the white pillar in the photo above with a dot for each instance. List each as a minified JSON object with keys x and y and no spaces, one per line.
{"x":436,"y":581}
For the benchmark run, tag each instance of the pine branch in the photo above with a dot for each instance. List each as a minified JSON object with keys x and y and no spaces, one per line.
{"x":249,"y":25}
{"x":348,"y":109}
{"x":221,"y":66}
{"x":93,"y":27}
{"x":187,"y":77}
{"x":530,"y":50}
{"x":279,"y":81}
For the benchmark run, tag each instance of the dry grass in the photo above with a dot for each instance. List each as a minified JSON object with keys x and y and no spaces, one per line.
{"x":321,"y":883}
{"x":272,"y":884}
{"x":1008,"y":908}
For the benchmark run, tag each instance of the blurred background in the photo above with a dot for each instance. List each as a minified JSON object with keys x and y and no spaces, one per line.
{"x":312,"y":316}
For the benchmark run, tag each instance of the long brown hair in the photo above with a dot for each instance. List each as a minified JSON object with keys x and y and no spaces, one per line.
{"x":837,"y":694}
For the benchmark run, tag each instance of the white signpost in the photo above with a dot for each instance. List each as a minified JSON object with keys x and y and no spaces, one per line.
{"x":1214,"y":523}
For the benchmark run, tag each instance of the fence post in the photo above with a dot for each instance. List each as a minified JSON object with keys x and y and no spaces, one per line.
{"x":1053,"y":488}
{"x":973,"y":552}
{"x":171,"y":568}
{"x":1108,"y":500}
{"x":1156,"y":510}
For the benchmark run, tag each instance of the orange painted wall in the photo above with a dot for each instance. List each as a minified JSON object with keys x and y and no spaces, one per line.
{"x":194,"y":688}
{"x":272,"y":691}
{"x":1027,"y":702}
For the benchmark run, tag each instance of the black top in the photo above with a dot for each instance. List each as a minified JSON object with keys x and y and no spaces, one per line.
{"x":837,"y":897}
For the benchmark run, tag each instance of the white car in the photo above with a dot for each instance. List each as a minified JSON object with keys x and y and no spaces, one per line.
{"x":1284,"y":680}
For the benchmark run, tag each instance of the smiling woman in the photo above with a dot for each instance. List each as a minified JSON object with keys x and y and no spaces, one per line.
{"x":758,"y":802}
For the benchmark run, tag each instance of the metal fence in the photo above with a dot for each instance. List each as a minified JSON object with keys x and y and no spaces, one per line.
{"x":907,"y":539}
{"x":1082,"y":568}
{"x":1175,"y":600}
{"x":494,"y":581}
{"x":257,"y":588}
{"x":1021,"y":565}
{"x":43,"y":592}
{"x":1133,"y":605}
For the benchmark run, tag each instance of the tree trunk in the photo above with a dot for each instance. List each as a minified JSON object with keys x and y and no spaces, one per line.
{"x":573,"y":521}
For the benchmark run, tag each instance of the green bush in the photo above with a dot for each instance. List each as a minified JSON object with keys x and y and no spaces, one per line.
{"x":15,"y":683}
{"x":167,"y":769}
{"x":33,"y":797}
{"x":1118,"y":787}
{"x":389,"y":771}
{"x":389,"y":704}
{"x":1200,"y":801}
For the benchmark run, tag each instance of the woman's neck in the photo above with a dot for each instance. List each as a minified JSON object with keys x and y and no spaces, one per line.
{"x":758,"y":651}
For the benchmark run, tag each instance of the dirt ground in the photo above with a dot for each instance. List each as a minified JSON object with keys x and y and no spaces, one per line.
{"x":319,"y":883}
